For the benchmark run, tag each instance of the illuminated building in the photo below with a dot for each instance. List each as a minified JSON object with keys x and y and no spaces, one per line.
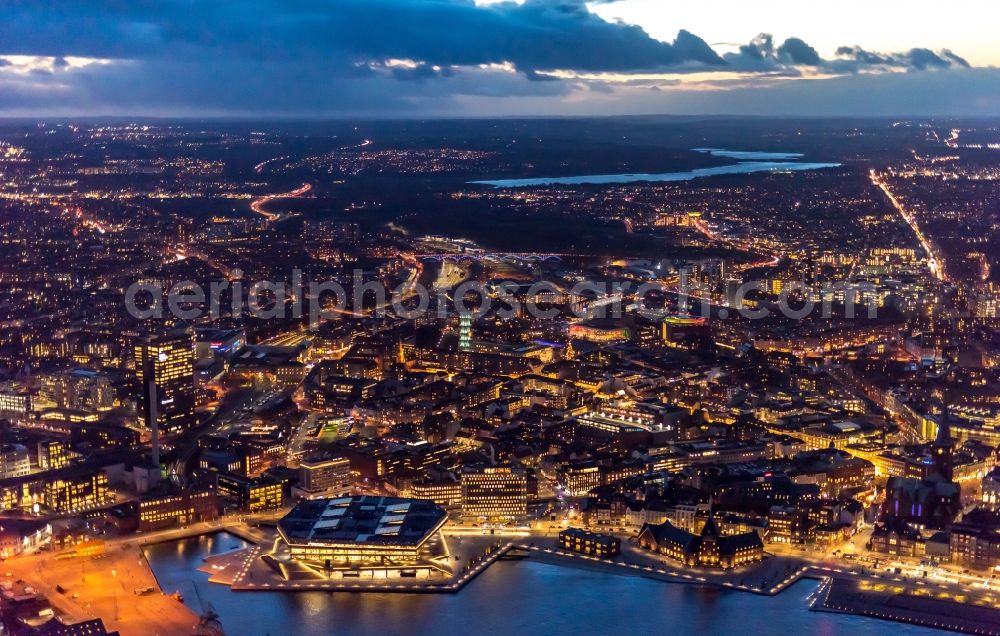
{"x":677,"y":219}
{"x":975,"y":541}
{"x":925,"y":503}
{"x":356,"y":367}
{"x":446,"y":493}
{"x":678,"y":328}
{"x":217,"y":342}
{"x":495,"y":494}
{"x":14,"y":461}
{"x":979,"y":423}
{"x":67,"y":490}
{"x":986,"y":305}
{"x":577,"y":481}
{"x":391,"y":463}
{"x":165,"y":368}
{"x":181,"y":509}
{"x":676,"y":456}
{"x":622,"y":416}
{"x":15,"y":403}
{"x":52,"y":417}
{"x":373,"y":537}
{"x":53,"y":454}
{"x":832,"y":470}
{"x":972,"y":462}
{"x":465,"y":332}
{"x":709,"y":549}
{"x":589,"y":543}
{"x":681,"y":515}
{"x":79,"y":389}
{"x":326,"y":230}
{"x":75,"y":490}
{"x":991,"y":490}
{"x":825,"y":435}
{"x":23,"y":536}
{"x":320,"y":478}
{"x":252,"y":495}
{"x":335,"y":392}
{"x":786,"y":524}
{"x":543,"y":352}
{"x":222,"y":462}
{"x":897,"y":538}
{"x":599,"y":331}
{"x":266,"y":368}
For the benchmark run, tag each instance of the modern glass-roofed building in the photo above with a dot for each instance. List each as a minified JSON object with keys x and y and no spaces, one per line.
{"x":363,"y":537}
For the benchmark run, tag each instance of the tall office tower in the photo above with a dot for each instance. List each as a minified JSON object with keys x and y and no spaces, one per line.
{"x":164,"y":364}
{"x":465,"y":332}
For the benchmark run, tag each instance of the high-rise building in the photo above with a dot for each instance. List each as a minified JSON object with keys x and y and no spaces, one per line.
{"x":165,"y":367}
{"x":465,"y":332}
{"x":495,"y":494}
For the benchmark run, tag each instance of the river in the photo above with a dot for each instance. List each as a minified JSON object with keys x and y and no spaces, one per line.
{"x":510,"y":598}
{"x":748,"y":162}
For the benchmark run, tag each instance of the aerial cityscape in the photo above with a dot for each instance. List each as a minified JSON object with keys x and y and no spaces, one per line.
{"x":537,"y":317}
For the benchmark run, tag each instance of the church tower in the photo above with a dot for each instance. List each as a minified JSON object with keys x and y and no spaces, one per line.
{"x":943,"y":446}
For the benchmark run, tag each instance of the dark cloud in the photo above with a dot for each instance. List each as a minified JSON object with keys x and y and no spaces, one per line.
{"x":919,"y":59}
{"x":958,"y":60}
{"x":319,"y":56}
{"x":867,"y":58}
{"x":760,"y":48}
{"x":538,"y":34}
{"x":798,"y":52}
{"x":760,"y":54}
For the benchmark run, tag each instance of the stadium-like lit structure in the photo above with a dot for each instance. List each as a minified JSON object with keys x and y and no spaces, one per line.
{"x":362,"y":538}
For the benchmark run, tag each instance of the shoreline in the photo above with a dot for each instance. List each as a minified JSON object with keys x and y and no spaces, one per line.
{"x":835,"y":597}
{"x":839,"y":591}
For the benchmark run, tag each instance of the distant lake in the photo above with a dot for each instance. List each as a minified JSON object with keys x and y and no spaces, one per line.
{"x":508,"y":599}
{"x":748,"y":163}
{"x":750,"y":155}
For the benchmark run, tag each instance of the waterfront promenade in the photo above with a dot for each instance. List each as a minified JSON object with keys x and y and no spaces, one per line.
{"x":104,"y":586}
{"x":856,"y":590}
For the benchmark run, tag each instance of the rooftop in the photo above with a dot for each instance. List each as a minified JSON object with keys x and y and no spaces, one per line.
{"x":369,"y":520}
